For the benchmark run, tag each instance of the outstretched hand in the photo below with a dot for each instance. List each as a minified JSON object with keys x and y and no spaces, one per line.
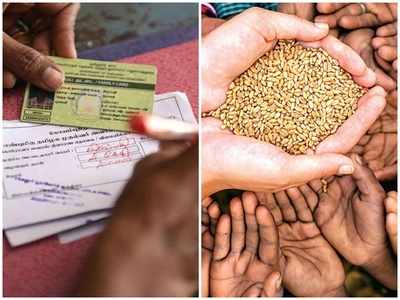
{"x":351,"y":216}
{"x":246,"y":260}
{"x":312,"y":267}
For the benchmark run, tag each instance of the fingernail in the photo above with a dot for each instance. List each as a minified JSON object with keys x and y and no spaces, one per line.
{"x":52,"y":78}
{"x":278,"y":283}
{"x":345,"y":170}
{"x":323,"y":26}
{"x":137,"y":124}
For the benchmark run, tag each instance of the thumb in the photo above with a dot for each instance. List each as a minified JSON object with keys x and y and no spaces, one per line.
{"x":273,"y":286}
{"x":305,"y":168}
{"x":30,"y":65}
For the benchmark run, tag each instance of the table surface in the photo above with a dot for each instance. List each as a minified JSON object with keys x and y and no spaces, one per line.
{"x":46,"y":267}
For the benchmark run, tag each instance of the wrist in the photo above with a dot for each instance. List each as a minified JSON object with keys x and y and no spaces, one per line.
{"x":383,"y":268}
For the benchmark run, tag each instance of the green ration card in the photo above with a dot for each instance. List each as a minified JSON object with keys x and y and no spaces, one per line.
{"x":95,"y":94}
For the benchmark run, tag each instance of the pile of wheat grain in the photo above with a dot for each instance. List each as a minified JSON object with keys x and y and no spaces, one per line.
{"x":292,"y":97}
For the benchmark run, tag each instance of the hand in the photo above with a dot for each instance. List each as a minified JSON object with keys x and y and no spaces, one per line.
{"x":231,"y":49}
{"x":356,"y":15}
{"x":231,"y":161}
{"x":362,"y":42}
{"x":391,"y":218}
{"x":208,"y":24}
{"x":351,"y":217}
{"x":24,"y":53}
{"x":312,"y":267}
{"x":385,"y":45}
{"x":378,"y":146}
{"x":209,"y":218}
{"x":246,"y":259}
{"x":302,"y":10}
{"x":152,"y":235}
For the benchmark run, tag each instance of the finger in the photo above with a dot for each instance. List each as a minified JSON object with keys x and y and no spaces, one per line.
{"x":353,"y":22}
{"x":214,"y":212}
{"x":258,"y":29}
{"x":222,"y":238}
{"x":267,"y":199}
{"x":347,"y":58}
{"x":350,"y":132}
{"x":378,"y":42}
{"x":391,"y":228}
{"x":163,"y":129}
{"x":383,"y":64}
{"x":249,"y":204}
{"x":300,"y":205}
{"x":205,"y":271}
{"x":310,"y":196}
{"x":395,"y":65}
{"x":305,"y":168}
{"x":9,"y":79}
{"x":333,"y":19}
{"x":388,"y":53}
{"x":28,"y":64}
{"x":42,"y":43}
{"x":327,"y":8}
{"x":238,"y":226}
{"x":288,"y":212}
{"x":63,"y":31}
{"x":273,"y":285}
{"x":384,"y":80}
{"x":207,"y":240}
{"x":387,"y":30}
{"x":268,"y":250}
{"x":391,"y":202}
{"x":369,"y":187}
{"x":387,"y":173}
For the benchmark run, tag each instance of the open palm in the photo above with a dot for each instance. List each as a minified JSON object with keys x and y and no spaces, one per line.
{"x":352,"y":218}
{"x":242,"y":260}
{"x":312,"y":267}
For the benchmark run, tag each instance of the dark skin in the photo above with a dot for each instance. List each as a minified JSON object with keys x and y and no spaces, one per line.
{"x":378,"y":146}
{"x":385,"y":45}
{"x":312,"y":267}
{"x":351,"y":217}
{"x":353,"y":16}
{"x":246,"y":261}
{"x":159,"y":207}
{"x":391,"y":218}
{"x":209,"y":217}
{"x":302,"y":10}
{"x":51,"y":31}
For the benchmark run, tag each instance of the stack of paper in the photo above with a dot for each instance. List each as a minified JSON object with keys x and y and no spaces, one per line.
{"x":60,"y":178}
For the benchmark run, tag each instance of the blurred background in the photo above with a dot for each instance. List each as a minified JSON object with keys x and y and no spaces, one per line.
{"x":100,"y":24}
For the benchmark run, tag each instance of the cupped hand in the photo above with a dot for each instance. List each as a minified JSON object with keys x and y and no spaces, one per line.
{"x":246,"y":261}
{"x":378,"y":147}
{"x":231,"y":49}
{"x":385,"y":45}
{"x":362,"y":42}
{"x":233,"y":161}
{"x":312,"y":267}
{"x":235,"y":45}
{"x":351,"y":216}
{"x":356,"y":15}
{"x":50,"y":31}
